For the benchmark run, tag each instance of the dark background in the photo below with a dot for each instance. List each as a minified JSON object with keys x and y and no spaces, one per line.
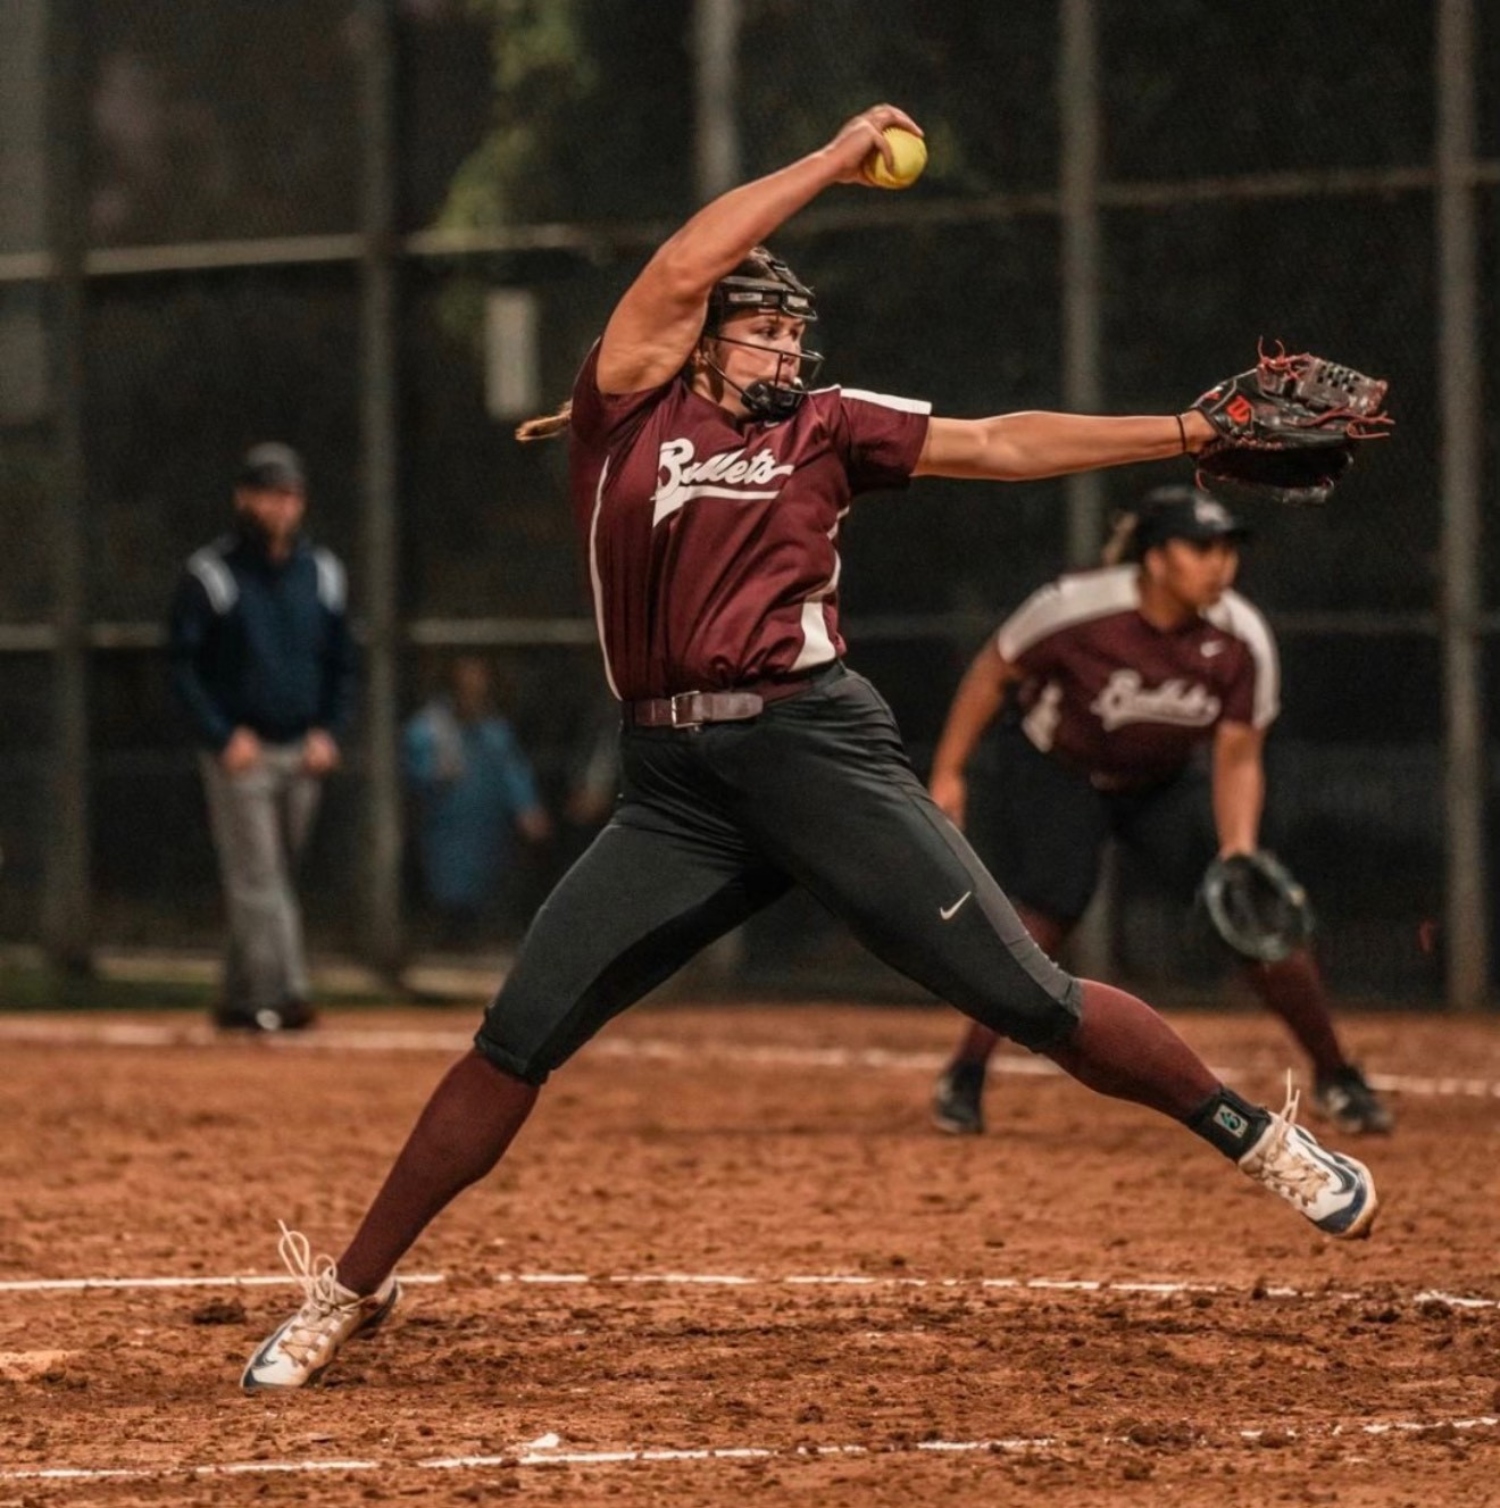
{"x":222,"y":121}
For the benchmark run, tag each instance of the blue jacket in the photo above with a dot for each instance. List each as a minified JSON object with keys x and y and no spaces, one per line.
{"x":471,"y":780}
{"x":259,"y":644}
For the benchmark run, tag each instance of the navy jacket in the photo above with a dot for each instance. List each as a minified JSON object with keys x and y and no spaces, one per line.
{"x":262,"y":645}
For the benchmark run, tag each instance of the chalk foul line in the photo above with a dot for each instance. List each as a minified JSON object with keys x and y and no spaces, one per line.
{"x":549,"y":1451}
{"x":47,"y":1031}
{"x":727,"y":1280}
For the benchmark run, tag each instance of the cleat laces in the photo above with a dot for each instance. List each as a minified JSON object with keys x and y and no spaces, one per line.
{"x":1288,"y":1171}
{"x":322,"y":1295}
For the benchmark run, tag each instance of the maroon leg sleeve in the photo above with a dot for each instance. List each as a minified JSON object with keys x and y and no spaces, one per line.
{"x":461,"y":1134}
{"x":1293,"y":989}
{"x":1123,"y":1048}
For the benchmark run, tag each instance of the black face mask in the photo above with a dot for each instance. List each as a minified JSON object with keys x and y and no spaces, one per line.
{"x":764,"y":399}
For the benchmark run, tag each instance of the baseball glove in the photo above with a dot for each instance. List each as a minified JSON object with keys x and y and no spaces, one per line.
{"x":1256,"y":907}
{"x":1287,"y":429}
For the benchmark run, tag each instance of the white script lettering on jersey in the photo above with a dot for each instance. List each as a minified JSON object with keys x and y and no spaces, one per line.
{"x":731,"y":473}
{"x":1125,"y":700}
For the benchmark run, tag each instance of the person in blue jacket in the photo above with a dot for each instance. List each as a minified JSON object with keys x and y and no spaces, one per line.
{"x":474,"y":791}
{"x":263,"y":664}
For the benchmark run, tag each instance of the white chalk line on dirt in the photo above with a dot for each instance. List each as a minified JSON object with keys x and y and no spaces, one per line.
{"x":548,"y":1452}
{"x":1148,"y":1288}
{"x":55,"y":1033}
{"x":1127,"y":1286}
{"x":86,"y":1285}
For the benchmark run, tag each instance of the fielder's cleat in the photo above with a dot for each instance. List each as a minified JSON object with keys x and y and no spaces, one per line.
{"x":957,"y":1100}
{"x":296,"y":1015}
{"x":289,"y":1016}
{"x":264,"y":1020}
{"x":1346,"y":1100}
{"x":298,"y":1352}
{"x":1335,"y":1192}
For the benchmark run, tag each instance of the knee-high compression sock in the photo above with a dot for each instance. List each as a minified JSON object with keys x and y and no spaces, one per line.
{"x":1123,"y":1048}
{"x":461,"y":1134}
{"x":1293,"y":989}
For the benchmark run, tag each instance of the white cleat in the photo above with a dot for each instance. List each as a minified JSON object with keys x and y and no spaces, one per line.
{"x":1334,"y":1191}
{"x":298,"y":1352}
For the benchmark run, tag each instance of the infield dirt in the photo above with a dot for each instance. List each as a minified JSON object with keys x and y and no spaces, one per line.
{"x":1087,"y":1306}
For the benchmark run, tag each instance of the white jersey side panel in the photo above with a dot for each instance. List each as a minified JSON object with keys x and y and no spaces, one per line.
{"x":885,"y":400}
{"x":1068,"y":600}
{"x":1236,"y":616}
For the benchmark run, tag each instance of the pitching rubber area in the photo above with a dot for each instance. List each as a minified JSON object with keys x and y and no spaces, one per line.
{"x":729,"y":1258}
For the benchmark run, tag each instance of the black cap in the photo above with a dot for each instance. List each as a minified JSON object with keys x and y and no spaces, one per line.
{"x":1183,"y":513}
{"x":272,"y":467}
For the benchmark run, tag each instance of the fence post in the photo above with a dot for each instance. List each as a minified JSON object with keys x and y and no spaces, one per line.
{"x":716,"y":30}
{"x":381,"y":941}
{"x":1460,"y":380}
{"x":1092,"y":945}
{"x":66,"y":890}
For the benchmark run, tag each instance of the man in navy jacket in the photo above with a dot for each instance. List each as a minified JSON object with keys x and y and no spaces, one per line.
{"x":263,"y":663}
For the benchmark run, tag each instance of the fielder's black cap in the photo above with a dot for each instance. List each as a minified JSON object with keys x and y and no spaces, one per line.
{"x":273,"y":467}
{"x":1184,"y":513}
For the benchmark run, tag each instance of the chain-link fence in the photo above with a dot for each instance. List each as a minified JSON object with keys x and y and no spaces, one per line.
{"x":1252,"y":181}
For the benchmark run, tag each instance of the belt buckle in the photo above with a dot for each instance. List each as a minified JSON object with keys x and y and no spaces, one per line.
{"x":683,"y":722}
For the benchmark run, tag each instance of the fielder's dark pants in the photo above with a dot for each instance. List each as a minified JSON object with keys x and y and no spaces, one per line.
{"x":715,"y":823}
{"x":1043,"y":828}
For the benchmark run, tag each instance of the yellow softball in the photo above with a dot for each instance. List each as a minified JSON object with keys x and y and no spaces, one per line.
{"x":910,"y":152}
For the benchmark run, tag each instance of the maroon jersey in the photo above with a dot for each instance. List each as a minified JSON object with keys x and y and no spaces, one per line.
{"x":1126,"y":702}
{"x":711,"y":545}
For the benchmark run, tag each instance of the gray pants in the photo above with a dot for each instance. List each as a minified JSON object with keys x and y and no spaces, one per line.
{"x":260,"y":821}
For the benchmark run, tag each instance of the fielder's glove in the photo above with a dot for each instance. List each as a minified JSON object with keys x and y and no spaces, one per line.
{"x":1256,"y":907}
{"x":1287,"y":429}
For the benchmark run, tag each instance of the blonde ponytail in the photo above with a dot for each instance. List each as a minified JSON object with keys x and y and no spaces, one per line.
{"x":545,"y":426}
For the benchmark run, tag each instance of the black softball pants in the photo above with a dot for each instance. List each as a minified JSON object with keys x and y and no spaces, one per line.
{"x":718,"y":821}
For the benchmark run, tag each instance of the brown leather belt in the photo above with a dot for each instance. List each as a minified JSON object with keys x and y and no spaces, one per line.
{"x":691,"y":709}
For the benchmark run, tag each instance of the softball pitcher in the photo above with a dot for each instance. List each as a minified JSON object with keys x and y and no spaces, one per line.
{"x":709,"y":478}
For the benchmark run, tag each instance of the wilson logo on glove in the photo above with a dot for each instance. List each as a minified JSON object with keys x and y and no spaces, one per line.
{"x":1286,"y":430}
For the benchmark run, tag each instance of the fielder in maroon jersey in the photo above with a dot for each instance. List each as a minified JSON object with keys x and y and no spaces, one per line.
{"x":709,"y":479}
{"x":1111,"y":681}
